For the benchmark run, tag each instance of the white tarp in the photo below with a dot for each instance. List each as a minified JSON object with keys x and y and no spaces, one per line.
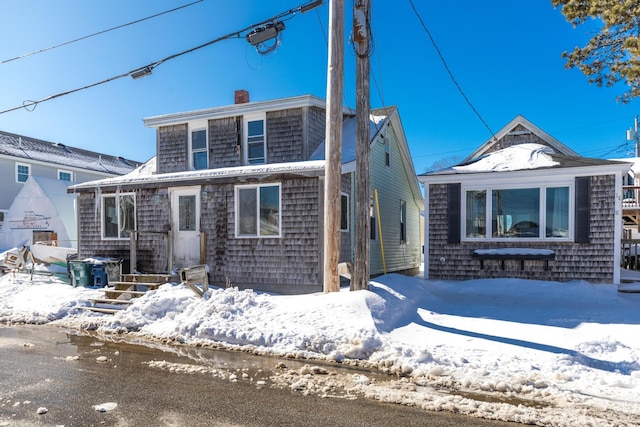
{"x":42,"y":204}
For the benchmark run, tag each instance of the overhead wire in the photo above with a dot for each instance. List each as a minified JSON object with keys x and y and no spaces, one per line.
{"x":455,"y":82}
{"x":100,"y":32}
{"x":147,"y":68}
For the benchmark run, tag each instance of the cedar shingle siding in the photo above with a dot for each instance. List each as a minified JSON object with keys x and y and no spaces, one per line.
{"x":172,"y":149}
{"x":591,"y":261}
{"x":519,"y":135}
{"x":225,"y":140}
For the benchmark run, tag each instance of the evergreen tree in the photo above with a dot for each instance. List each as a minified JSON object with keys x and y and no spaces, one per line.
{"x":613,"y":54}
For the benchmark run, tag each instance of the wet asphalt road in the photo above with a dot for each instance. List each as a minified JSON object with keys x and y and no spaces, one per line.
{"x":41,"y":366}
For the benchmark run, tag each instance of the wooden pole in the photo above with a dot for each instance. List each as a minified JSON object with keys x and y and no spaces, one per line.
{"x":361,"y":269}
{"x":333,"y":147}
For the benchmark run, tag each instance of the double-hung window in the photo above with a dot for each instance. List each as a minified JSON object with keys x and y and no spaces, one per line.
{"x":255,"y":140}
{"x":23,"y":171}
{"x":118,"y":215}
{"x":199,"y":149}
{"x":532,"y":213}
{"x":258,"y":210}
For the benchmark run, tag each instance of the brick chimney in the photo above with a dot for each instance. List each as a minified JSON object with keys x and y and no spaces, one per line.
{"x":241,"y":96}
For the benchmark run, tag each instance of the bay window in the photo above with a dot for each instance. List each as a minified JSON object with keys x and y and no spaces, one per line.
{"x":518,"y":213}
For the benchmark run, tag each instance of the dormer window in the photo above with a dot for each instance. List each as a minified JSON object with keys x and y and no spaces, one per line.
{"x":199,"y":149}
{"x":255,"y":139}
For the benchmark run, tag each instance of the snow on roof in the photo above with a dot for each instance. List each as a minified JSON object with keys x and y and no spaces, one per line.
{"x":146,"y":173}
{"x":53,"y":152}
{"x":516,"y":157}
{"x":635,"y":164}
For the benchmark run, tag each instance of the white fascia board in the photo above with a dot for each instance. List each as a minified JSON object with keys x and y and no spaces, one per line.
{"x":56,"y":165}
{"x":317,"y":166}
{"x":535,"y":175}
{"x":237,"y":110}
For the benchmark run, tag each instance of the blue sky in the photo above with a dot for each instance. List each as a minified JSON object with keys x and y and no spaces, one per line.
{"x":505,"y":55}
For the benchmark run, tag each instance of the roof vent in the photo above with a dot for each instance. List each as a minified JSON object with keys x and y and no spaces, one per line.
{"x":64,"y":147}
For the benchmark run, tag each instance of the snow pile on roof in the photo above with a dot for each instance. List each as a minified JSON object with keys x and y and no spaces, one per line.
{"x":516,"y":157}
{"x":144,"y":170}
{"x":545,"y":353}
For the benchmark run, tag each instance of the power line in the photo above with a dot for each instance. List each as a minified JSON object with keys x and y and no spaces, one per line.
{"x":146,"y":70}
{"x":446,"y":67}
{"x":99,"y":32}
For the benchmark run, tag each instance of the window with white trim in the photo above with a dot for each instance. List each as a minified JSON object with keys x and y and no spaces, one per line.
{"x":255,"y":139}
{"x":3,"y":213}
{"x":23,"y":171}
{"x":344,"y":212}
{"x":199,"y":149}
{"x":527,"y":213}
{"x":403,"y":221}
{"x":258,"y":210}
{"x":373,"y":225}
{"x":118,"y":215}
{"x":387,"y":153}
{"x":64,"y":175}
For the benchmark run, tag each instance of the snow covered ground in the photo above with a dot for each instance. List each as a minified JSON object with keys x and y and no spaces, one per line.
{"x":545,"y":353}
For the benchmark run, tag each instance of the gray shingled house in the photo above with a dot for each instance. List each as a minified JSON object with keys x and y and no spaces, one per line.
{"x":524,"y":205}
{"x":240,"y":188}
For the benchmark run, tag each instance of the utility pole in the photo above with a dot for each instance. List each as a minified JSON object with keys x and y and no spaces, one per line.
{"x":333,"y":146}
{"x":361,"y":271}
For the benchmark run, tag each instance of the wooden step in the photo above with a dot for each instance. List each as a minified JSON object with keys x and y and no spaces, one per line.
{"x":110,"y":301}
{"x":101,"y":309}
{"x":120,"y":285}
{"x":123,"y":291}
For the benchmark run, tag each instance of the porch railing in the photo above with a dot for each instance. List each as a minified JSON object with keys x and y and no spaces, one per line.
{"x":630,"y":197}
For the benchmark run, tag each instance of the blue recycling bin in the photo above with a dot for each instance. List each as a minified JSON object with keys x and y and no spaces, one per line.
{"x":99,"y":275}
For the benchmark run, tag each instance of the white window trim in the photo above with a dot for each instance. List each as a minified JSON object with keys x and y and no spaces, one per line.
{"x":237,"y":211}
{"x":28,"y":175}
{"x":195,"y":127}
{"x":387,"y":152}
{"x":515,"y":186}
{"x":61,"y":171}
{"x":245,"y":135}
{"x":102,"y":213}
{"x":348,"y":213}
{"x":404,"y":241}
{"x":373,"y":213}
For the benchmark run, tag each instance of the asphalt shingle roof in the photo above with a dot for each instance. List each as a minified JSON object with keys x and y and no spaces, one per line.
{"x":27,"y":148}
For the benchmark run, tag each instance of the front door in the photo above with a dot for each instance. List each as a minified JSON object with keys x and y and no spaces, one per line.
{"x":185,"y":223}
